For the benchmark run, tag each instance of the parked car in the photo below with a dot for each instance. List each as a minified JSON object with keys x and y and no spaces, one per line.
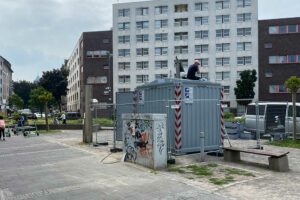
{"x":272,"y":117}
{"x":73,"y":115}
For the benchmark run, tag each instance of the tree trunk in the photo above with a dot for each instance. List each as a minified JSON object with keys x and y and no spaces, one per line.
{"x":46,"y":117}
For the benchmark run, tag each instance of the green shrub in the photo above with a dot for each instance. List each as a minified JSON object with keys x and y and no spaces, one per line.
{"x":228,"y":115}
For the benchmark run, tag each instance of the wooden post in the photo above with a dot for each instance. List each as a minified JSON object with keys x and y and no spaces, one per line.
{"x":87,"y":129}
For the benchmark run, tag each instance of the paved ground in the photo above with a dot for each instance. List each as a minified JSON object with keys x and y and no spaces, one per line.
{"x":58,"y":167}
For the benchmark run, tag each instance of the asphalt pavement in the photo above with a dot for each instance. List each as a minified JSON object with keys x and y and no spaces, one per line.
{"x":42,"y":167}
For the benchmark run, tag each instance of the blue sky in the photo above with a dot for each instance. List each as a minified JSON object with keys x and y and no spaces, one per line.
{"x":37,"y":35}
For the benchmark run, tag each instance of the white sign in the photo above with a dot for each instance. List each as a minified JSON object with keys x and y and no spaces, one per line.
{"x":141,"y":96}
{"x":188,"y":95}
{"x":174,"y":106}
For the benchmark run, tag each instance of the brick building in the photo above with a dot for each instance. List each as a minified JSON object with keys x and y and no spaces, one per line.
{"x":279,"y":57}
{"x":91,"y":63}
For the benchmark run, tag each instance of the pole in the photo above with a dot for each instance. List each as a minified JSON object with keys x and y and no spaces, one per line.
{"x":202,"y":155}
{"x":115,"y":149}
{"x":87,"y":131}
{"x":258,"y":145}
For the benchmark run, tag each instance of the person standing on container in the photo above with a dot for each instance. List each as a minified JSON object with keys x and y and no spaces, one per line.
{"x":193,"y":69}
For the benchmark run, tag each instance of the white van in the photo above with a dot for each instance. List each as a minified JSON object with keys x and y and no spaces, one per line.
{"x":273,"y":117}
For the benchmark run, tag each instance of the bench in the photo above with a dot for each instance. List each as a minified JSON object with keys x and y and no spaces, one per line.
{"x":278,"y":161}
{"x":27,"y":130}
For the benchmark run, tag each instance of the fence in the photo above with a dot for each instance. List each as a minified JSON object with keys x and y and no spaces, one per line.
{"x":186,"y":118}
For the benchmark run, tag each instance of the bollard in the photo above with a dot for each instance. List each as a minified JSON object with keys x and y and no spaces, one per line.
{"x":202,"y":155}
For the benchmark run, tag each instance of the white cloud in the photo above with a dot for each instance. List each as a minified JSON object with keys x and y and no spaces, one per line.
{"x":39,"y":34}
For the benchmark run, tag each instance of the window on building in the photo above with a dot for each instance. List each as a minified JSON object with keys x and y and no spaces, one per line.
{"x":124,"y":66}
{"x":142,"y":65}
{"x":203,"y":48}
{"x":226,"y":89}
{"x":105,"y":41}
{"x":161,"y":23}
{"x":201,"y":20}
{"x":222,"y":19}
{"x":201,"y":34}
{"x":159,"y":64}
{"x":222,"y":47}
{"x":161,"y":37}
{"x":142,"y":78}
{"x":203,"y":62}
{"x":160,"y":51}
{"x":201,"y":6}
{"x":181,"y":50}
{"x":124,"y":39}
{"x":142,"y":51}
{"x":243,"y":31}
{"x":243,"y":3}
{"x":222,"y":76}
{"x":184,"y":63}
{"x":204,"y":75}
{"x":161,"y":10}
{"x":224,"y":61}
{"x":142,"y":38}
{"x":161,"y":76}
{"x":181,"y":22}
{"x":244,"y":17}
{"x":273,"y":30}
{"x":124,"y":26}
{"x":222,"y":4}
{"x":277,"y":89}
{"x":244,"y":60}
{"x":282,"y":29}
{"x":123,"y":12}
{"x":222,"y":33}
{"x":181,"y":8}
{"x":292,"y":58}
{"x":124,"y":79}
{"x":124,"y":90}
{"x":292,"y":28}
{"x":124,"y":52}
{"x":268,"y":45}
{"x":272,"y":60}
{"x":284,"y":59}
{"x":181,"y":36}
{"x":268,"y":74}
{"x":142,"y":24}
{"x":244,"y":46}
{"x":142,"y":11}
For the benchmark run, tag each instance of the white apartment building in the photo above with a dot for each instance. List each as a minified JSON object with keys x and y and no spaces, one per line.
{"x":73,"y":94}
{"x":149,"y":35}
{"x":5,"y":82}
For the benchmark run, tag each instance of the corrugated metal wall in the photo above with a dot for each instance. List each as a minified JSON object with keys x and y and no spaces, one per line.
{"x":202,"y":114}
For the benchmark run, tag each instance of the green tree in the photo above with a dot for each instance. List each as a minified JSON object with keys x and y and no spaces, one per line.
{"x":293,"y":85}
{"x":44,"y":98}
{"x":245,"y":87}
{"x":23,"y":89}
{"x":15,"y":101}
{"x":34,"y":101}
{"x":56,"y":82}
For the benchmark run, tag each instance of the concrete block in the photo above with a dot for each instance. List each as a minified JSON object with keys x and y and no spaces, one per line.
{"x":279,"y":164}
{"x":232,"y":156}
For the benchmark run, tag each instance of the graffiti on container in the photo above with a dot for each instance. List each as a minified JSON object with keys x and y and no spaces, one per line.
{"x":137,"y":139}
{"x":160,"y":140}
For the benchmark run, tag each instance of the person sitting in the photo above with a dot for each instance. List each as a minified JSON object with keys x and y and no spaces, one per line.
{"x":193,"y":69}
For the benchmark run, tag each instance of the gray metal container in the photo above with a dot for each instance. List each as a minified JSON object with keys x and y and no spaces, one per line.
{"x":200,"y":111}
